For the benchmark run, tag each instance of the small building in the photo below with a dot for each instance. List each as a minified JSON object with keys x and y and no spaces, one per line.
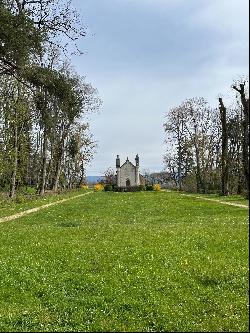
{"x":127,"y":174}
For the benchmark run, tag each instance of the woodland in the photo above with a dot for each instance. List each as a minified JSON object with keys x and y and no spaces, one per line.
{"x":209,"y":149}
{"x":45,"y":141}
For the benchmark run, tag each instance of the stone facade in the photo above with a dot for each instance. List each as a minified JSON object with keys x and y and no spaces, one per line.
{"x":128,"y":174}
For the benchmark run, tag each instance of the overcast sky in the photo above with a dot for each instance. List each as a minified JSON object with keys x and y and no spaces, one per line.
{"x":147,"y":56}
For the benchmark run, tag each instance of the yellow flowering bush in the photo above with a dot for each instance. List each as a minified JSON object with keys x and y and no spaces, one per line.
{"x":157,"y":187}
{"x":84,"y":187}
{"x":98,"y":187}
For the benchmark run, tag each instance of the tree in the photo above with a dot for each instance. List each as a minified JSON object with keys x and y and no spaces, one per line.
{"x":237,"y":181}
{"x":28,"y":27}
{"x":15,"y":116}
{"x":79,"y":151}
{"x":190,"y":131}
{"x":109,"y":177}
{"x":178,"y":162}
{"x":19,"y":39}
{"x":240,"y":88}
{"x":44,"y":118}
{"x":224,"y":153}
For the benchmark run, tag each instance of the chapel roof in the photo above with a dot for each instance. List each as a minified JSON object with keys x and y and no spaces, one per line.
{"x":127,"y":162}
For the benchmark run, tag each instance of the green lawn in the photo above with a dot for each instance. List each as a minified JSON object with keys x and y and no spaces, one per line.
{"x":230,"y":198}
{"x":126,"y":262}
{"x":22,"y":202}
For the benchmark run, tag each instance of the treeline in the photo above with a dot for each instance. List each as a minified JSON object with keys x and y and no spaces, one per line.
{"x":208,"y":148}
{"x":44,"y":135}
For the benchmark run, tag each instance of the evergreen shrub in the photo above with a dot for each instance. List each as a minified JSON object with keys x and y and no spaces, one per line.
{"x":108,"y":188}
{"x":129,"y":189}
{"x":149,"y":188}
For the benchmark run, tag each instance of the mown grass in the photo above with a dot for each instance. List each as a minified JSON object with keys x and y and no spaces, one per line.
{"x":126,"y":262}
{"x":23,"y":202}
{"x":230,"y":198}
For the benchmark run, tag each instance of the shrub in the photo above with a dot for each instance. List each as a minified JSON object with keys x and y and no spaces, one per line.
{"x":98,"y":187}
{"x":157,"y":187}
{"x":84,"y":187}
{"x":24,"y":190}
{"x":30,"y":190}
{"x":129,"y":189}
{"x":20,"y":198}
{"x":108,"y":188}
{"x":149,"y":188}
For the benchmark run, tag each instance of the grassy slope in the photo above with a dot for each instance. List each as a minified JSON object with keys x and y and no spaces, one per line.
{"x":126,"y":262}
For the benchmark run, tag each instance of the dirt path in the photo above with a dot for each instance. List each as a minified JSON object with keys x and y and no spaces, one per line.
{"x":36,"y":209}
{"x":221,"y":202}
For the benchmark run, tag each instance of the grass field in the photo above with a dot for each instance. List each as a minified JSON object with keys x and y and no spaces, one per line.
{"x":149,"y":261}
{"x":10,"y":207}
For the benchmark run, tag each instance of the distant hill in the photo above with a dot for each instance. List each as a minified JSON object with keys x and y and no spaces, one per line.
{"x":93,"y":179}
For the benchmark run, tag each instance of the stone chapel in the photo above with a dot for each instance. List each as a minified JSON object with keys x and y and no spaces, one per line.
{"x":128,"y":174}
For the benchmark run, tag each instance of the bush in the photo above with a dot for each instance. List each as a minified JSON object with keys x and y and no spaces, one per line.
{"x":30,"y":190}
{"x":108,"y":188}
{"x":129,"y":189}
{"x":157,"y":187}
{"x":20,"y":198}
{"x":98,"y":187}
{"x":24,"y":190}
{"x":84,"y":187}
{"x":149,"y":188}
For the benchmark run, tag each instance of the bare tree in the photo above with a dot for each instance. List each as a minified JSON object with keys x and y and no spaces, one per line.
{"x":241,"y":89}
{"x":224,"y":153}
{"x":109,"y":176}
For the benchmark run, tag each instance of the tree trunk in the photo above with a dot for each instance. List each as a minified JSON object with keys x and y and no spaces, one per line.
{"x":198,"y":167}
{"x":48,"y":174}
{"x":44,"y":162}
{"x":224,"y":154}
{"x":14,"y":171}
{"x":179,"y":162}
{"x":15,"y":148}
{"x":199,"y":182}
{"x":198,"y":172}
{"x":245,"y":143}
{"x":83,"y":176}
{"x":57,"y":175}
{"x":59,"y":159}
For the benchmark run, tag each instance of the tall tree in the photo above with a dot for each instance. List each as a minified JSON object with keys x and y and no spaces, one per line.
{"x":175,"y":126}
{"x":224,"y":151}
{"x":198,"y":122}
{"x":58,"y":99}
{"x":241,"y":89}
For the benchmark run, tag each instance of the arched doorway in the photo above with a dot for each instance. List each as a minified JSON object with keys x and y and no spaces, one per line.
{"x":127,"y":183}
